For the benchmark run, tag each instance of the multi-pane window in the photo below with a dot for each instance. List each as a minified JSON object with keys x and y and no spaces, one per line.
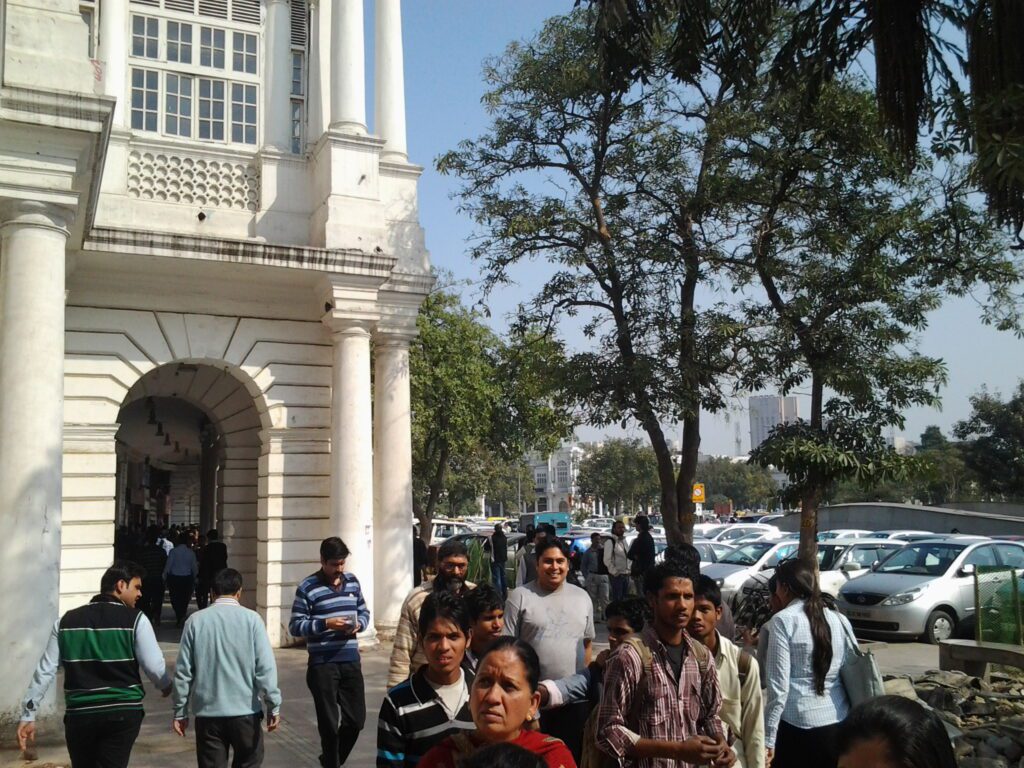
{"x":211,"y":109}
{"x":145,"y":99}
{"x":194,"y":70}
{"x":243,"y":53}
{"x":243,"y":113}
{"x":179,"y":42}
{"x":178,"y":105}
{"x":298,"y":104}
{"x":211,"y":47}
{"x":146,"y":37}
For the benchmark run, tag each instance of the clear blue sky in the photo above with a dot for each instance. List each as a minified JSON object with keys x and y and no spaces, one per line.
{"x":446,"y":42}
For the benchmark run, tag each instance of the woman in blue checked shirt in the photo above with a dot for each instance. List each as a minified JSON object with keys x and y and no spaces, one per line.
{"x":807,"y":647}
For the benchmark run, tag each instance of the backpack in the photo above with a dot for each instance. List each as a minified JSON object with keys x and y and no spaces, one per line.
{"x":592,"y":757}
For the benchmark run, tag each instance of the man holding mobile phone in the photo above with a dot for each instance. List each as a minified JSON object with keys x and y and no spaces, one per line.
{"x":329,"y":611}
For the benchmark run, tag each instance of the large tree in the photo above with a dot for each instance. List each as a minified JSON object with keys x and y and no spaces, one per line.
{"x":623,"y":192}
{"x":478,"y":404}
{"x":993,"y":438}
{"x":851,"y":254}
{"x":623,"y":473}
{"x":747,"y":486}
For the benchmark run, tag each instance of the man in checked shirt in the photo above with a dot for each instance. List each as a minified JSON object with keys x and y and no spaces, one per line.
{"x":661,"y":696}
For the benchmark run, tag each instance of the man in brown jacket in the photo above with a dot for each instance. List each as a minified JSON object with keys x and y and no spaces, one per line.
{"x":407,"y":652}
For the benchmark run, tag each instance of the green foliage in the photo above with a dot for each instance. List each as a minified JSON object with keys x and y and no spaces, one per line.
{"x":747,"y":486}
{"x":478,"y":404}
{"x":621,"y":472}
{"x":479,"y":570}
{"x":994,"y":443}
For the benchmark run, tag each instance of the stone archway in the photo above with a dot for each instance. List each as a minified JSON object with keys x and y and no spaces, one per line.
{"x":172,"y":394}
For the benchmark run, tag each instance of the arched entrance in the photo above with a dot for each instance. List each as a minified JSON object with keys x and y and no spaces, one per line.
{"x":188,"y":447}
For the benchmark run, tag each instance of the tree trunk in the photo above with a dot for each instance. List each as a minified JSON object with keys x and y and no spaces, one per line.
{"x":810,"y":499}
{"x":687,"y":476}
{"x":425,"y":515}
{"x":690,"y":374}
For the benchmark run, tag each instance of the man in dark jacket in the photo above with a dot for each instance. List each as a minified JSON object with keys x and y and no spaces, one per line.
{"x":641,"y":552}
{"x":212,"y":560}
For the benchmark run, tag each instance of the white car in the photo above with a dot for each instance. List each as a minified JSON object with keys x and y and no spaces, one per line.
{"x":445,"y":529}
{"x":598,"y":523}
{"x":853,"y":558}
{"x":734,"y":569}
{"x":902,"y":535}
{"x":730,"y":533}
{"x":844,"y":533}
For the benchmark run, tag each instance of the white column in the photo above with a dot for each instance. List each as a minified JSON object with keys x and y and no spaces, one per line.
{"x":277,"y":59}
{"x":114,"y":54}
{"x":32,"y":255}
{"x":390,"y":79}
{"x":392,"y":518}
{"x":352,"y":451}
{"x":315,"y":98}
{"x":348,"y":77}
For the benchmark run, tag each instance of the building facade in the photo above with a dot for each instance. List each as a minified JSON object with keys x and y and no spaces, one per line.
{"x":204,"y":249}
{"x":767,"y":412}
{"x":554,"y":477}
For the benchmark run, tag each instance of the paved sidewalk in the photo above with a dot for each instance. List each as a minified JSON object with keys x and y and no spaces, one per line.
{"x":296,"y":743}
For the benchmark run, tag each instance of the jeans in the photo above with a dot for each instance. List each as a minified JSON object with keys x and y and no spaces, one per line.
{"x":498,"y":578}
{"x":180,"y":588}
{"x":243,"y":735}
{"x":597,"y":588}
{"x":619,"y":586}
{"x":340,"y":708}
{"x":102,"y":740}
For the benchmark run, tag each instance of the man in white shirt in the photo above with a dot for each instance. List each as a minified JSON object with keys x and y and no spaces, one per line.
{"x":616,"y":559}
{"x":738,"y":678}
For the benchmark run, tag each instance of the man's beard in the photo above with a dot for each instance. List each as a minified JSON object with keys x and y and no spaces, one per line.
{"x":445,"y":583}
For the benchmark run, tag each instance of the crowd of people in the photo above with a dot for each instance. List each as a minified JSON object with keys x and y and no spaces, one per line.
{"x":480,"y":678}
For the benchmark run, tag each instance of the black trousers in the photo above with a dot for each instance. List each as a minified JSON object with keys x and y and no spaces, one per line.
{"x":202,"y":591}
{"x":180,"y":588}
{"x":102,"y":740}
{"x":567,"y":723}
{"x":340,"y":708}
{"x":152,"y":598}
{"x":243,"y":735}
{"x":806,"y":747}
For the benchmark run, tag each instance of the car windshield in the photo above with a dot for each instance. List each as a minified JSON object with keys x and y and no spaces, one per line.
{"x":866,"y":555}
{"x":827,"y":556}
{"x":748,"y":554}
{"x":932,"y":559}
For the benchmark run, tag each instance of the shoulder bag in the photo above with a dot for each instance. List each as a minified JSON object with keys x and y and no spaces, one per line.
{"x":859,"y":672}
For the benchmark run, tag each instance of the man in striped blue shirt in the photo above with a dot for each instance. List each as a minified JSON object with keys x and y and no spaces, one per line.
{"x":329,"y":611}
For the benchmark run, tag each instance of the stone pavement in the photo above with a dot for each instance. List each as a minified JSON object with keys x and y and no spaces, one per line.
{"x":296,"y":743}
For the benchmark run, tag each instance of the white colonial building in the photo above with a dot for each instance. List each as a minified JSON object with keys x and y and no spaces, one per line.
{"x":554,"y":477}
{"x":203,"y":251}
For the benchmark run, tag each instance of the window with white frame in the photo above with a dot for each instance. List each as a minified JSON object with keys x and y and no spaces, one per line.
{"x":145,"y":99}
{"x":298,"y":101}
{"x":145,"y":37}
{"x":179,"y":42}
{"x":194,"y":74}
{"x":562,"y":472}
{"x":243,"y":52}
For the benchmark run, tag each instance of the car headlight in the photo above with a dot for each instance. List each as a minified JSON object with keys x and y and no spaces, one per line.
{"x":719,"y":582}
{"x":903,"y":597}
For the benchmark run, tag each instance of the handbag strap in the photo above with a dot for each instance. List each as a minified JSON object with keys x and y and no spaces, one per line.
{"x":848,"y":632}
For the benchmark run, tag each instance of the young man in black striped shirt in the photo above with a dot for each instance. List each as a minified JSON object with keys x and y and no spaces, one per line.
{"x":434,"y":702}
{"x":102,"y":646}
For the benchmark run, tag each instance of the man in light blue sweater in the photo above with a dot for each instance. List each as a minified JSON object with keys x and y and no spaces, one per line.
{"x":225,"y":666}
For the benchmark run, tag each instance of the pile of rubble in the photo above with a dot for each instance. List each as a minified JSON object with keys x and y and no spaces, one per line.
{"x":984,"y":718}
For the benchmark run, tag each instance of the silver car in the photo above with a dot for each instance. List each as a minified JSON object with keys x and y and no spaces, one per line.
{"x":925,"y":589}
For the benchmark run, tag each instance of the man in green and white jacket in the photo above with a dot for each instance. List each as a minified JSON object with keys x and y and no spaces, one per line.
{"x":226,"y":672}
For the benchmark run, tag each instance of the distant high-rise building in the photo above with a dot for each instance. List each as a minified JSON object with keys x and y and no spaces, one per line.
{"x":768,"y":411}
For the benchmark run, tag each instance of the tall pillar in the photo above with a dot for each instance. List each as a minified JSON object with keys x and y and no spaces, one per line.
{"x":277,"y":123}
{"x":352,"y":451}
{"x":113,"y":53}
{"x":348,"y":85}
{"x":33,"y":237}
{"x":315,"y":96}
{"x":392,"y":517}
{"x":389,"y":92}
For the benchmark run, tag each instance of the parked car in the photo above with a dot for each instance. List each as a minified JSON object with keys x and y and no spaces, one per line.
{"x":926,"y":589}
{"x":903,"y":535}
{"x":484,"y":540}
{"x":730,"y":533}
{"x":735,"y":568}
{"x":843,"y":533}
{"x":442,"y":530}
{"x":598,"y":523}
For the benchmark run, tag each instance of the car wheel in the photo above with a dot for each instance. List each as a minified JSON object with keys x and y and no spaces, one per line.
{"x":940,"y":626}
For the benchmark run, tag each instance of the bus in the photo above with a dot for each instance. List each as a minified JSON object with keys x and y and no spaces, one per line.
{"x":561,"y":520}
